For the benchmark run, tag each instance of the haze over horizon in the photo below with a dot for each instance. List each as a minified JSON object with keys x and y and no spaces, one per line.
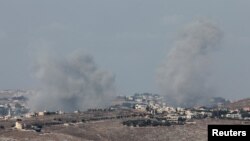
{"x":129,"y":38}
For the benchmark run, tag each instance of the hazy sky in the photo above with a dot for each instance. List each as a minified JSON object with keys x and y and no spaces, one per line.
{"x":127,"y":37}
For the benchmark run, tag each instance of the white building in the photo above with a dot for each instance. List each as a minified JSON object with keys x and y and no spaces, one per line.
{"x":19,"y":124}
{"x":141,"y":107}
{"x":234,"y":116}
{"x":138,"y":100}
{"x":189,"y":114}
{"x":41,"y":113}
{"x":29,"y":115}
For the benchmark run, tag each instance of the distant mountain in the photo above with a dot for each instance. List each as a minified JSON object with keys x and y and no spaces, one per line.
{"x":239,"y":104}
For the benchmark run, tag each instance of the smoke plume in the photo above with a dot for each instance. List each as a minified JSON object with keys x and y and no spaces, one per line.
{"x":72,"y":83}
{"x":184,"y":73}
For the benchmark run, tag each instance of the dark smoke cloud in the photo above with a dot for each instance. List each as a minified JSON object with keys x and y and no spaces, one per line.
{"x":71,"y":83}
{"x":184,"y":73}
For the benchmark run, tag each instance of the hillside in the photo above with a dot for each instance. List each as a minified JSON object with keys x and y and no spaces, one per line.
{"x":239,"y":104}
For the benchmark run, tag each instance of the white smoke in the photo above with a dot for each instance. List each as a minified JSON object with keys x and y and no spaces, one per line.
{"x":72,"y":83}
{"x":183,"y":75}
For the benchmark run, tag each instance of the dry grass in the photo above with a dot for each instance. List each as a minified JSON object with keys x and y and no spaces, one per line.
{"x":113,"y":130}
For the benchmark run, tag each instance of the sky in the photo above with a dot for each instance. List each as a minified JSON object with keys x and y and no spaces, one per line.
{"x":129,"y":38}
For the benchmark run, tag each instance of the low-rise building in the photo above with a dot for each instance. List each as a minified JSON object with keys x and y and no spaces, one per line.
{"x":29,"y":115}
{"x":142,"y":107}
{"x":172,"y":118}
{"x":234,"y":116}
{"x":19,"y":124}
{"x":41,"y":113}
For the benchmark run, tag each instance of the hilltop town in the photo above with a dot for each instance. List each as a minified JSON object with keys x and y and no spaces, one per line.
{"x":139,"y":113}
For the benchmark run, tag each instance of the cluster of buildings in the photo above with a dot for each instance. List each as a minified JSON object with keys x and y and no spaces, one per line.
{"x":241,"y":114}
{"x":155,"y":105}
{"x":43,"y":113}
{"x":141,"y":101}
{"x":13,"y":109}
{"x":13,"y":102}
